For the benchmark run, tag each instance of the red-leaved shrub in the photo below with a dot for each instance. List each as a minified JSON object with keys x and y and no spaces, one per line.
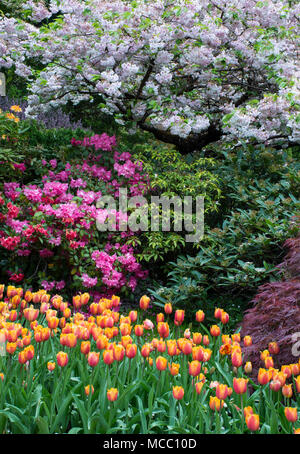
{"x":275,"y":315}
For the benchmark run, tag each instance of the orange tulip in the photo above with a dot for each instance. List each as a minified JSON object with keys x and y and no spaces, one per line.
{"x":161,"y":363}
{"x":88,"y":389}
{"x":221,"y":391}
{"x":199,"y":386}
{"x":85,"y":347}
{"x":62,"y":359}
{"x":168,"y":308}
{"x":131,"y":350}
{"x":200,"y":316}
{"x":248,"y":367}
{"x":197,"y":338}
{"x":179,"y":317}
{"x":51,"y":366}
{"x":108,"y":356}
{"x":291,"y":414}
{"x":194,"y":368}
{"x":163,"y":329}
{"x":144,"y":302}
{"x":145,"y":350}
{"x":178,"y":392}
{"x":160,"y":317}
{"x":119,"y":352}
{"x":174,"y":369}
{"x":215,"y":404}
{"x":112,"y":394}
{"x":215,"y":330}
{"x":240,"y":385}
{"x":247,"y":341}
{"x":93,"y":358}
{"x":31,"y":314}
{"x":273,"y":348}
{"x":287,"y":391}
{"x":264,"y":376}
{"x":252,"y":421}
{"x":138,"y":330}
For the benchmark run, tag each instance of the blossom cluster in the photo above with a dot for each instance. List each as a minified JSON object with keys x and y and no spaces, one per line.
{"x":178,"y":69}
{"x":54,"y":221}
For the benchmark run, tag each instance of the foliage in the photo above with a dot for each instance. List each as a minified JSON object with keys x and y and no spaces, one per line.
{"x":243,"y":241}
{"x":82,"y":375}
{"x":276,"y":306}
{"x":183,"y":71}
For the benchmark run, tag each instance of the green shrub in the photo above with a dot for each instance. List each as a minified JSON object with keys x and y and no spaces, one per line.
{"x":243,"y":244}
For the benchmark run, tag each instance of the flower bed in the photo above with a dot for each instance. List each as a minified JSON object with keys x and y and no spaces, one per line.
{"x":87,"y":368}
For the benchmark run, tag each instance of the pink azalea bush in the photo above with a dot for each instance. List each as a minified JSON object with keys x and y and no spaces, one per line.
{"x":48,"y":228}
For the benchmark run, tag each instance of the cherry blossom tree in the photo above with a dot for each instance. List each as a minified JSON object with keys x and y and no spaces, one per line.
{"x":191,"y":72}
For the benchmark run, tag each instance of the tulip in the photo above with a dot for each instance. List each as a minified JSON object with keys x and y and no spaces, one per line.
{"x":172,"y":347}
{"x":200,"y":316}
{"x":247,"y":341}
{"x":71,"y":340}
{"x":178,"y":392}
{"x":102,"y":342}
{"x":51,"y":366}
{"x":161,"y":363}
{"x":197,"y":338}
{"x":221,"y":391}
{"x":248,"y":367}
{"x":145,"y":350}
{"x":205,"y":340}
{"x":218,"y":313}
{"x":174,"y":369}
{"x":119,"y":352}
{"x":179,"y":317}
{"x":163,"y":329}
{"x":269,"y":363}
{"x":198,"y":353}
{"x":248,"y":411}
{"x":297,"y":383}
{"x":236,"y":337}
{"x":194,"y":368}
{"x":215,"y":404}
{"x":138,"y":330}
{"x":85,"y":347}
{"x":236,"y":359}
{"x":168,"y":308}
{"x":31,"y":314}
{"x":144,"y":302}
{"x":108,"y":357}
{"x":273,"y":348}
{"x":252,"y":421}
{"x":286,"y":370}
{"x":131,"y":350}
{"x":187,"y":347}
{"x":88,"y":389}
{"x":275,"y":385}
{"x":240,"y":385}
{"x":133,"y":316}
{"x":161,"y":346}
{"x":93,"y":358}
{"x":199,"y":386}
{"x":112,"y":394}
{"x":148,"y":324}
{"x":224,"y":318}
{"x":215,"y":330}
{"x":287,"y":391}
{"x":264,"y":376}
{"x":11,"y":347}
{"x":291,"y":414}
{"x":62,"y":359}
{"x":160,"y":317}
